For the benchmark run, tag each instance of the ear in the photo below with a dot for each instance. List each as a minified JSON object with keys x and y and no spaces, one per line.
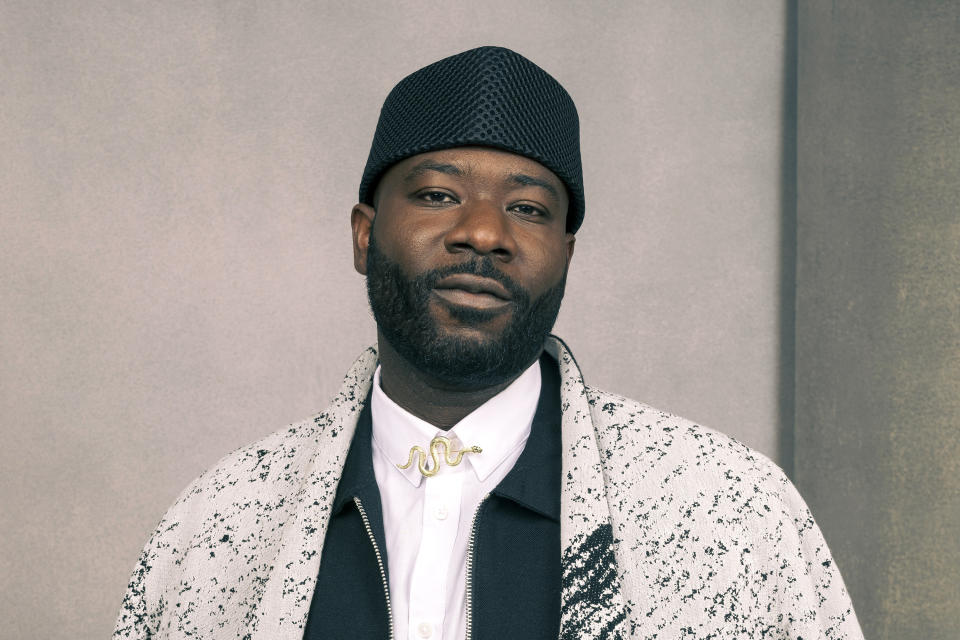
{"x":361,"y":221}
{"x":571,"y":240}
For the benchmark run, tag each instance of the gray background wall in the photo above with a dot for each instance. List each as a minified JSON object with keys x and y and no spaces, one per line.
{"x":176,"y":281}
{"x":878,"y":302}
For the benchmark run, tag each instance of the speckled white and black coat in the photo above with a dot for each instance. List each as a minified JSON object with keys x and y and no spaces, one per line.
{"x":668,"y":530}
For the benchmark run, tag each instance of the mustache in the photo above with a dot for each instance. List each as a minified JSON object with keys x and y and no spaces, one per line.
{"x":479,"y":266}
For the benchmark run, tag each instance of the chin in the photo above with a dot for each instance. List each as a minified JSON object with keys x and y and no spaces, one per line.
{"x":466,"y":335}
{"x":470,"y":324}
{"x":467,"y":357}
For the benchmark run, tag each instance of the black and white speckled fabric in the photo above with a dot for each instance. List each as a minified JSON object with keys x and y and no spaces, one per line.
{"x":668,"y":530}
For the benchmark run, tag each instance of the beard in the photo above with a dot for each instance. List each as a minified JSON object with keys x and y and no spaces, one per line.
{"x":401,"y":307}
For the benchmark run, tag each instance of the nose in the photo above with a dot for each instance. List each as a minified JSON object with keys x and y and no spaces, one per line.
{"x":482,"y":227}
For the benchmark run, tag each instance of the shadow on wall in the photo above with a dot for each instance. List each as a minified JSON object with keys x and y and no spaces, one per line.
{"x":788,"y":246}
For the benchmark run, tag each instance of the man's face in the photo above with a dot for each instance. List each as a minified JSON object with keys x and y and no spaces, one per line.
{"x":466,"y":262}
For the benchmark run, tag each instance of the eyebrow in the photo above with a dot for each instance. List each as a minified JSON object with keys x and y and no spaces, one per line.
{"x":520,"y":179}
{"x":428,"y":165}
{"x":524,"y":180}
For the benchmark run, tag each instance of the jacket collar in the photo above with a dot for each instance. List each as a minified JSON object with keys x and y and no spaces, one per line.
{"x":534,"y":481}
{"x":591,"y":602}
{"x":357,"y":478}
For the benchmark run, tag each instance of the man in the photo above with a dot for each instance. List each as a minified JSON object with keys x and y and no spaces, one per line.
{"x":465,"y":483}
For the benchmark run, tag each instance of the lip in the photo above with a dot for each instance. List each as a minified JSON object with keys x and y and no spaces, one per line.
{"x":467,"y":290}
{"x":474,"y":284}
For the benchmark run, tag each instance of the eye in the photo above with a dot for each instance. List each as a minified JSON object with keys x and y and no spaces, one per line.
{"x":436,"y":197}
{"x":529,"y":210}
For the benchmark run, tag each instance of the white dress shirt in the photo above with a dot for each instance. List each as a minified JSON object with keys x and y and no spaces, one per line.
{"x":428,"y":521}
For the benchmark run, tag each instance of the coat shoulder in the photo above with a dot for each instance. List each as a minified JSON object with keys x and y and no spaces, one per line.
{"x":247,"y":484}
{"x":279,"y":459}
{"x":628,"y":428}
{"x":709,"y":530}
{"x":221,"y":529}
{"x":268,"y":463}
{"x":666,"y":475}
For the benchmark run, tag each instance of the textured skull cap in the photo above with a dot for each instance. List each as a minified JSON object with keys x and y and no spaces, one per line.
{"x":489,"y":97}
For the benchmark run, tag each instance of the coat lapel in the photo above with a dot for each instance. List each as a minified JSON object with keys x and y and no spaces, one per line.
{"x":592,"y":605}
{"x":282,"y":613}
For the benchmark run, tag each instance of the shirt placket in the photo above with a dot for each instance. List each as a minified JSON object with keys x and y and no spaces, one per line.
{"x":428,"y":585}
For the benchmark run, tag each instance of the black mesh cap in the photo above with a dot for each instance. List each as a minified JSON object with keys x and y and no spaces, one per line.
{"x":491,"y":97}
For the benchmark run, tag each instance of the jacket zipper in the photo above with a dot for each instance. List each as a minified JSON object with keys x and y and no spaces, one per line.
{"x":383,"y":572}
{"x":468,"y":605}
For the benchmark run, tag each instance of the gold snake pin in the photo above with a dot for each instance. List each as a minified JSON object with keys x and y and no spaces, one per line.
{"x":438,"y":445}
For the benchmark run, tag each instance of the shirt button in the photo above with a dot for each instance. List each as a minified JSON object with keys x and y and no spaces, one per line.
{"x":441,"y":513}
{"x":425,"y":629}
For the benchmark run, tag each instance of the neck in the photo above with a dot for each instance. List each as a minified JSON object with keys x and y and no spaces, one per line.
{"x":425,"y":396}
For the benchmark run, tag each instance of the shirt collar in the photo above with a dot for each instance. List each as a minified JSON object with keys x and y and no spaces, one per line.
{"x":497,"y":426}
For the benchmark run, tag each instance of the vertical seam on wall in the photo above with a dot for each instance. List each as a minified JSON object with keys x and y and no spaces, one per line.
{"x":786,"y":434}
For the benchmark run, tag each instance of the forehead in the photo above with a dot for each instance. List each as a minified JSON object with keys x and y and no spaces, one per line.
{"x":477,"y":162}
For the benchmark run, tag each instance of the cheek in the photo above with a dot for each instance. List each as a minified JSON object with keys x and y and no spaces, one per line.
{"x":413,"y":245}
{"x":419,"y":241}
{"x":548,"y":262}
